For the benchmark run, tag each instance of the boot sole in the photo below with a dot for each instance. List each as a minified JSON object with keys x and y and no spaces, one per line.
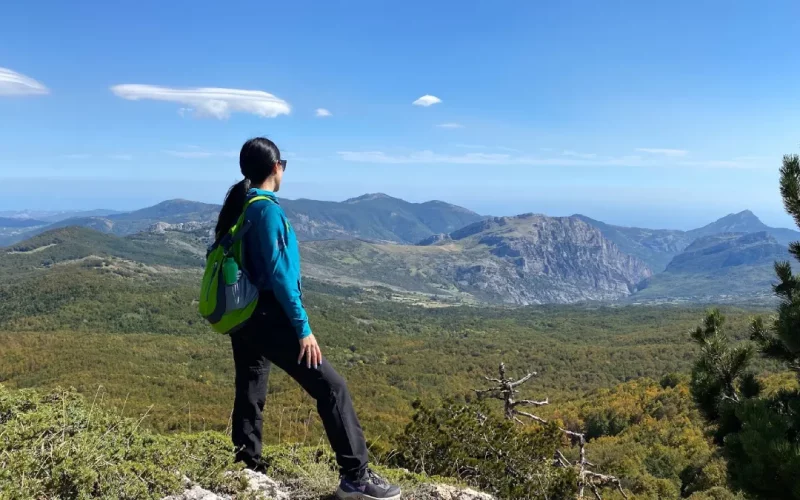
{"x":355,"y":495}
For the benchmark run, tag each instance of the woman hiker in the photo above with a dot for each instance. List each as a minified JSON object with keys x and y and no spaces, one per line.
{"x":278,"y":332}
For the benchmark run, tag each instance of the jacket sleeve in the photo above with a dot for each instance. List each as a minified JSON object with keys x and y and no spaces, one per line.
{"x":282,"y":267}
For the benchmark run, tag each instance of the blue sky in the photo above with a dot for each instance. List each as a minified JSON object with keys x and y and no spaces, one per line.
{"x":662,"y":114}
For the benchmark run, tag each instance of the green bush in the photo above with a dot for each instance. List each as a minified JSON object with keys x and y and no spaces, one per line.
{"x":58,"y":446}
{"x":469,"y":442}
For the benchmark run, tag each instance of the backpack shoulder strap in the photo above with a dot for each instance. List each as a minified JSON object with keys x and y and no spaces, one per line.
{"x":250,"y":201}
{"x":236,"y":232}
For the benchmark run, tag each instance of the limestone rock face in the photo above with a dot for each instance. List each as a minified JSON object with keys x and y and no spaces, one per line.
{"x":262,"y":486}
{"x":259,"y":485}
{"x":445,"y":492}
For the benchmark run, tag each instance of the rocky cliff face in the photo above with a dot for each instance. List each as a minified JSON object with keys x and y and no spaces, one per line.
{"x":547,"y":259}
{"x":529,"y":259}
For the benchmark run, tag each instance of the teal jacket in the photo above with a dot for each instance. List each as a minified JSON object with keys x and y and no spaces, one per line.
{"x":273,"y":257}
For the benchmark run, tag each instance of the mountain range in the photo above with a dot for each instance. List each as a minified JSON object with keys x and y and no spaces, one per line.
{"x":446,"y":252}
{"x":374,"y":217}
{"x":657,"y":247}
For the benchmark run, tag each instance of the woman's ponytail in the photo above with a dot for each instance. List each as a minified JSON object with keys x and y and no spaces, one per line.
{"x":257,"y":160}
{"x":232,"y":207}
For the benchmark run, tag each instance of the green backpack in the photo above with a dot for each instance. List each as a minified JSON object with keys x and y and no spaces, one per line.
{"x":227,"y":297}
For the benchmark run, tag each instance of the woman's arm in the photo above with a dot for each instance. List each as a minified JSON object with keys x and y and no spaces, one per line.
{"x":283,"y":267}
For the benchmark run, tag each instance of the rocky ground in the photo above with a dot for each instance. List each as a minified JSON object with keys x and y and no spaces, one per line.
{"x":262,"y":486}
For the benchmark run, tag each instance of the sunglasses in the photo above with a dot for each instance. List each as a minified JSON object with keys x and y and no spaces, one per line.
{"x":283,"y":164}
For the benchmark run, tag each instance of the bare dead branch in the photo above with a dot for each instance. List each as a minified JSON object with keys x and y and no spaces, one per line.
{"x":532,"y":416}
{"x":562,"y":459}
{"x":505,"y":389}
{"x":522,"y":380}
{"x":529,"y":402}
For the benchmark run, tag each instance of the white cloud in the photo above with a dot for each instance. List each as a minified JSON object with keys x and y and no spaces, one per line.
{"x":450,"y":125}
{"x":189,"y":154}
{"x":716,"y":164}
{"x":663,"y":151}
{"x":121,"y":157}
{"x":17,"y":84}
{"x":581,"y":160}
{"x":427,"y":100}
{"x":323,"y":113}
{"x":209,"y":102}
{"x":195,"y":153}
{"x":423,"y":157}
{"x":754,"y":158}
{"x":585,"y":156}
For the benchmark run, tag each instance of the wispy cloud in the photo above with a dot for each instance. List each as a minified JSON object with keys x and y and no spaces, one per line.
{"x":755,"y":158}
{"x":423,"y":157}
{"x":663,"y":151}
{"x":585,"y":156}
{"x":17,"y":84}
{"x":197,"y":153}
{"x":450,"y":125}
{"x":581,"y":160}
{"x":208,"y":102}
{"x":323,"y":113}
{"x":427,"y":100}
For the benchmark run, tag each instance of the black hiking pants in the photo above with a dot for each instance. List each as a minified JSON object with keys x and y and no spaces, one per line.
{"x":268,"y":338}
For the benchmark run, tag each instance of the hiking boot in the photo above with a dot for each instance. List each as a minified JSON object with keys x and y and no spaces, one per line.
{"x":368,"y":486}
{"x":257,"y":464}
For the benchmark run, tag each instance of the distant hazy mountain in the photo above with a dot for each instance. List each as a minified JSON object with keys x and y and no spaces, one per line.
{"x":14,"y":223}
{"x":719,"y":266}
{"x":375,"y":217}
{"x":718,"y":251}
{"x":657,"y":247}
{"x":526,"y":259}
{"x":172,"y":211}
{"x":59,"y":216}
{"x":50,"y":216}
{"x":70,"y":244}
{"x":745,"y":222}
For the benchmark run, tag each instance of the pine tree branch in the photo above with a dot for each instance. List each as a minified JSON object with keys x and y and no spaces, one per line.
{"x":790,"y":186}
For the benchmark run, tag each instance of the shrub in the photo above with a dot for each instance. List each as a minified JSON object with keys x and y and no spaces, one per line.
{"x":467,"y":441}
{"x":58,"y":446}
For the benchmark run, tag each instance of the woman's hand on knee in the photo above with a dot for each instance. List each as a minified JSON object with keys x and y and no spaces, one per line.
{"x":310,"y":350}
